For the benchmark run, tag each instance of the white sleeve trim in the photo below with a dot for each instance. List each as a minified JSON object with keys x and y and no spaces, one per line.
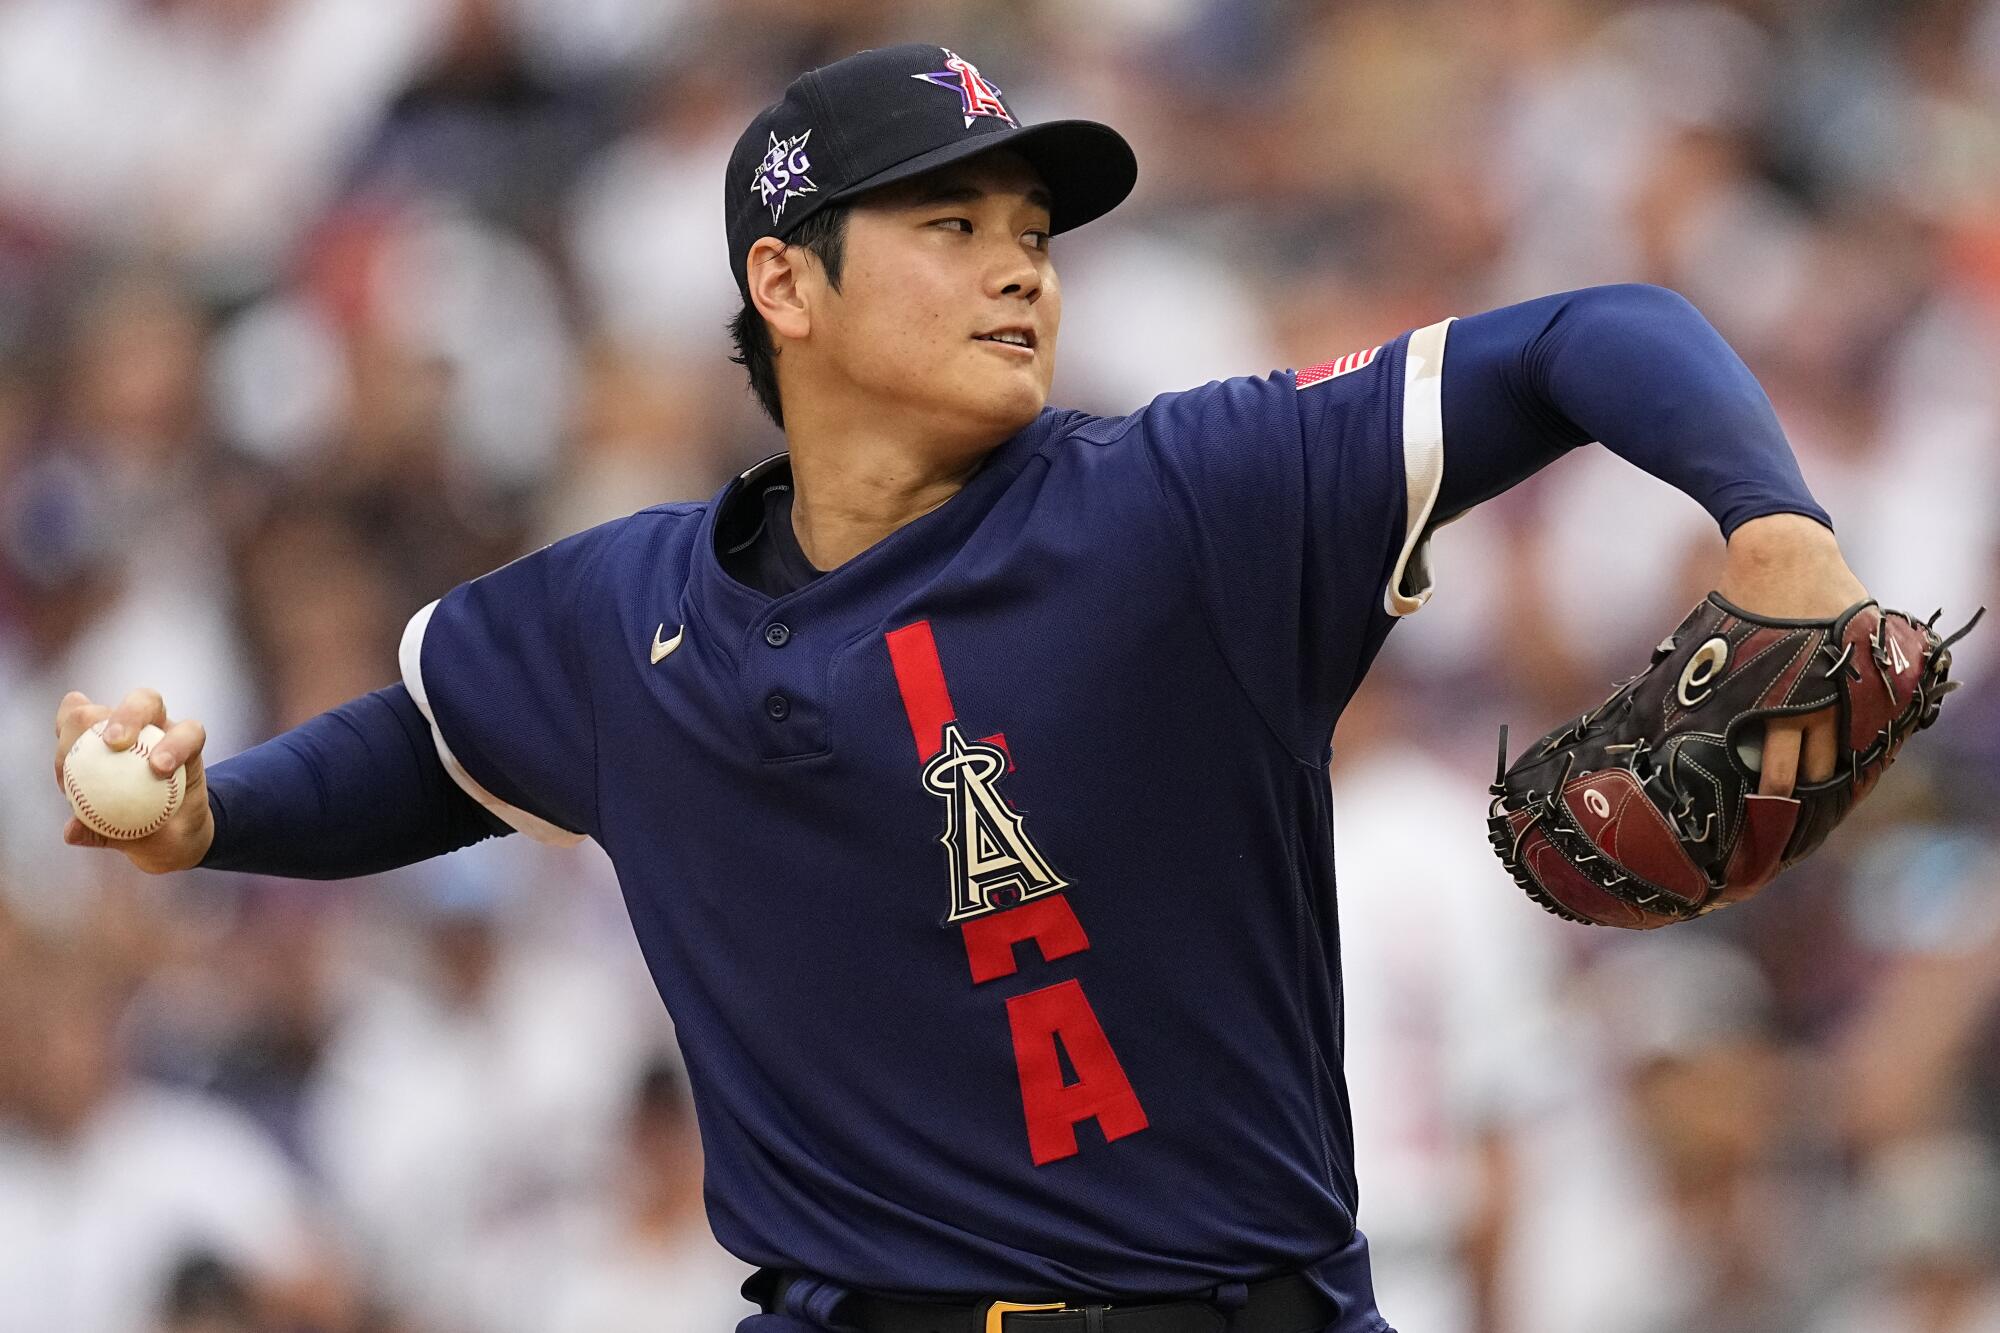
{"x":1410,"y":582}
{"x":410,"y":656}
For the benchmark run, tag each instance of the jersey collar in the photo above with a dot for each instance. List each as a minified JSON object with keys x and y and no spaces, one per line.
{"x":884,"y":575}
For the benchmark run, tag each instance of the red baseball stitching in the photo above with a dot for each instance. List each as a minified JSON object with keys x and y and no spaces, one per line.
{"x":144,"y":750}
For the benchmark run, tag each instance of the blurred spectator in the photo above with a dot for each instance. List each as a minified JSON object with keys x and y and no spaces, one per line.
{"x":109,"y":1183}
{"x":1708,"y":1087}
{"x":246,"y":1008}
{"x":205,"y":1295}
{"x":1928,"y":1214}
{"x":210,"y":130}
{"x":644,"y":243}
{"x":473,"y":1085}
{"x":629,"y":406}
{"x":1675,"y":1132}
{"x":318,"y":651}
{"x":1925,"y":901}
{"x":109,"y":543}
{"x":634,"y":1257}
{"x":1450,"y":991}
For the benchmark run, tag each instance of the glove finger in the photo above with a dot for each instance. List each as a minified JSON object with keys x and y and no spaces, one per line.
{"x":1780,"y":771}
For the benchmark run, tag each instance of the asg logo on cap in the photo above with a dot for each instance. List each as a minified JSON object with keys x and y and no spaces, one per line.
{"x":963,"y":77}
{"x":782,"y":173}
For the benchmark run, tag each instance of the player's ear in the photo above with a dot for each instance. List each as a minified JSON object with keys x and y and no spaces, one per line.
{"x":777,"y":287}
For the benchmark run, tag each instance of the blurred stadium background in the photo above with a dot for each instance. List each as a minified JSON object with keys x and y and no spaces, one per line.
{"x":310,"y":309}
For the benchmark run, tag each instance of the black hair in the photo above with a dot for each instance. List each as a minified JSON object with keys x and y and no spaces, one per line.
{"x":824,"y":235}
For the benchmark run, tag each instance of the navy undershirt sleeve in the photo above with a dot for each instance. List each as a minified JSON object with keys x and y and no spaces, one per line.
{"x":354,"y":791}
{"x":1635,"y":367}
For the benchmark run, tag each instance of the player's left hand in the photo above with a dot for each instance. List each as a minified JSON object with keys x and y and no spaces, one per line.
{"x":1790,"y":566}
{"x":1661,"y":803}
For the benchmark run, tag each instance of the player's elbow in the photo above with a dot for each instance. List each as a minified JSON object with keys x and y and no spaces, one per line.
{"x":1642,"y":301}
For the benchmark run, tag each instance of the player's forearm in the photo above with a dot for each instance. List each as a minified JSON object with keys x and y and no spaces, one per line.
{"x":354,"y":791}
{"x":1634,"y":367}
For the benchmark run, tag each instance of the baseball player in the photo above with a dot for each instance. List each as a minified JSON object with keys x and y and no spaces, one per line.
{"x":964,"y":767}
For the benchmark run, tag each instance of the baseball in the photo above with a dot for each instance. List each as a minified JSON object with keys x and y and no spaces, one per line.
{"x":116,"y":792}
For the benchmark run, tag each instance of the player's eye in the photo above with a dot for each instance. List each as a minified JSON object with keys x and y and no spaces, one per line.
{"x":945,"y":221}
{"x":1042,"y":239}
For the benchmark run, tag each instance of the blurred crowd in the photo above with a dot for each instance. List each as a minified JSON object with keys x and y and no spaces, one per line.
{"x":311,"y":309}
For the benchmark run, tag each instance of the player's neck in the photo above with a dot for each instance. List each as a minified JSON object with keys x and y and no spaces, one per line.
{"x":849,"y":493}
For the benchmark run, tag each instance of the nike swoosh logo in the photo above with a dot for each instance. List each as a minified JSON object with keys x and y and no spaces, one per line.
{"x":661,"y":649}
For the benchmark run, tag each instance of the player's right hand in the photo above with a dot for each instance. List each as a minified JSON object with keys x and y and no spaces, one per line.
{"x":184,"y":840}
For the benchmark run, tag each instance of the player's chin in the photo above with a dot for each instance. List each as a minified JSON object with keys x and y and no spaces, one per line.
{"x":1009,"y":397}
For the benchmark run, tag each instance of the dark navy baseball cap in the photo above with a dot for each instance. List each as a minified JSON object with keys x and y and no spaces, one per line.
{"x":884,"y":115}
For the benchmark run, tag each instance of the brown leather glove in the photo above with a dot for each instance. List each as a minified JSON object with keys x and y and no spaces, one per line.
{"x":1645,"y":810}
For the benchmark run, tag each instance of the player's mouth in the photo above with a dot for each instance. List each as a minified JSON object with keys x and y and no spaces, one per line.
{"x":1018,"y":340}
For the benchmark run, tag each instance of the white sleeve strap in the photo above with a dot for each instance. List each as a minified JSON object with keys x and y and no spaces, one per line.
{"x":410,"y":655}
{"x":1423,"y":466}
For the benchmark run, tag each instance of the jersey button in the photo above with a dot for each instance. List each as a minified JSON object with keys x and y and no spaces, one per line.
{"x":779,"y":707}
{"x":777,"y":634}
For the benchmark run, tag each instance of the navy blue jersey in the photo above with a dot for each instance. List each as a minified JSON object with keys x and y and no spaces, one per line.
{"x":988,"y":877}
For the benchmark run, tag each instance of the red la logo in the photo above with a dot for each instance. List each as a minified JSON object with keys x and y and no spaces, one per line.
{"x":963,"y":77}
{"x":1005,"y":894}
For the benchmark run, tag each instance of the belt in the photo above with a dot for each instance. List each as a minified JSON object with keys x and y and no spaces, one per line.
{"x":1287,"y":1304}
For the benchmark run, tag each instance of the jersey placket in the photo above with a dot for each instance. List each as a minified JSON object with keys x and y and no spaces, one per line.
{"x":788,"y":646}
{"x":784,"y":682}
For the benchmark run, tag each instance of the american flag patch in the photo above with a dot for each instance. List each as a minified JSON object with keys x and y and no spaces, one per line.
{"x":1328,"y":370}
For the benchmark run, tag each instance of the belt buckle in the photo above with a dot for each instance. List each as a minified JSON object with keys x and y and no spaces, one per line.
{"x":999,"y":1310}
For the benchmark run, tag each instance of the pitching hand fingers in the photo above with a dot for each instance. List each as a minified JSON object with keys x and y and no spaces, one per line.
{"x":71,"y":702}
{"x":181,"y":745}
{"x":1780,"y":771}
{"x":74,"y":716}
{"x":140,"y":708}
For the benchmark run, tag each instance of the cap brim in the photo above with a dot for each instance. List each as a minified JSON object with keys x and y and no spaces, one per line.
{"x":1089,"y":167}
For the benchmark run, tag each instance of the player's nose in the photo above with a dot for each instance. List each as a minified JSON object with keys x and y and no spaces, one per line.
{"x":1015,"y":273}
